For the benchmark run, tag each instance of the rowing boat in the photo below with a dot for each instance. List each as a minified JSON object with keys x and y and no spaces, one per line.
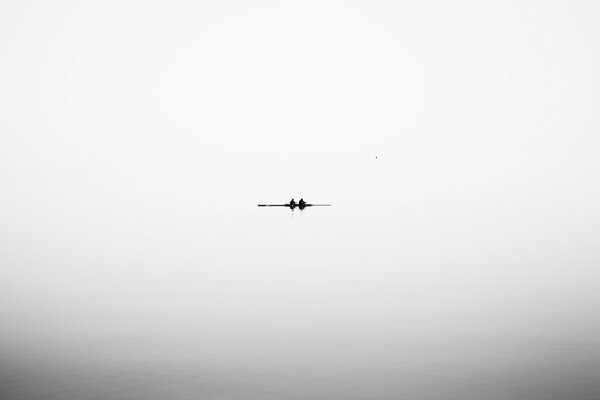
{"x":293,"y":205}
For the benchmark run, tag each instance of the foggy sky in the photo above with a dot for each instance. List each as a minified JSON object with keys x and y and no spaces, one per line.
{"x":137,"y":138}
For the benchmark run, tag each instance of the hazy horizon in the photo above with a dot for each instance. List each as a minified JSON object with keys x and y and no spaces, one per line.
{"x":458,"y":143}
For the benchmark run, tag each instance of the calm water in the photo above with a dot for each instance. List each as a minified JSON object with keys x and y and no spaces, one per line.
{"x":352,"y":301}
{"x":458,"y":142}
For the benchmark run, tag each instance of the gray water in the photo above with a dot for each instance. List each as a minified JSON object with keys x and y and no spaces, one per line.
{"x":457,"y":141}
{"x":352,"y":301}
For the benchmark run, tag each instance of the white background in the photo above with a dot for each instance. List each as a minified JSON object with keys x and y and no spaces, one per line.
{"x":136,"y":138}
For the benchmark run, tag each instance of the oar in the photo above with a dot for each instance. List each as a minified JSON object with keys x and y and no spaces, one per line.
{"x":295,"y":205}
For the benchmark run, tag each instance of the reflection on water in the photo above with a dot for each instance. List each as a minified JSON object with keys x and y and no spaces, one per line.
{"x":416,"y":302}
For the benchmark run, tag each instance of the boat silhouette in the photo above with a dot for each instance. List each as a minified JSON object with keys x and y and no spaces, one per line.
{"x":292,"y":204}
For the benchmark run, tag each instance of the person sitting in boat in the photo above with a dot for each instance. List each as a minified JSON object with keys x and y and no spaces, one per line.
{"x":302,"y":203}
{"x":292,"y":203}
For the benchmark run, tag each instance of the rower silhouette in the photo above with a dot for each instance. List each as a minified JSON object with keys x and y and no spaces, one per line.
{"x":301,"y":204}
{"x":292,"y":204}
